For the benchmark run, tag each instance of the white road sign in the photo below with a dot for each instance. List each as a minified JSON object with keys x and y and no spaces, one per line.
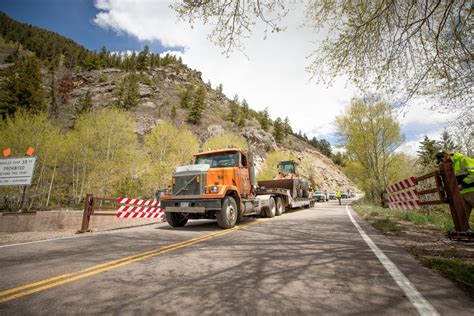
{"x":16,"y":171}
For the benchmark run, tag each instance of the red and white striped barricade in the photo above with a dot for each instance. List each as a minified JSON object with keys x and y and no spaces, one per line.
{"x":405,"y":205}
{"x":408,"y":195}
{"x":404,"y":184}
{"x":136,"y":208}
{"x":403,"y":196}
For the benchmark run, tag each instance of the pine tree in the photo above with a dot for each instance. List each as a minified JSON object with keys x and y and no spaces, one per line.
{"x":447,"y":142}
{"x":245,"y":109}
{"x":173,"y":112}
{"x":127,"y":94}
{"x":325,"y":148}
{"x":288,"y":129}
{"x":85,"y":103}
{"x":427,"y":152}
{"x":142,"y":59}
{"x":233,"y":114}
{"x":21,"y":88}
{"x":195,"y":111}
{"x":264,"y":119}
{"x":278,"y":130}
{"x":186,"y":97}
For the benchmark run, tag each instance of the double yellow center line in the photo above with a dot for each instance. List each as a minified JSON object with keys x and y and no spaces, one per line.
{"x":42,"y":285}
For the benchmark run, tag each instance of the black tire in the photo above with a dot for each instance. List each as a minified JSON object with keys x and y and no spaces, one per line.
{"x":270,"y":211}
{"x":279,"y":206}
{"x":227,"y":216}
{"x":176,"y":219}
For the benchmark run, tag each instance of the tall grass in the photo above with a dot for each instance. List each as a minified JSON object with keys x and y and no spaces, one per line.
{"x":438,"y":218}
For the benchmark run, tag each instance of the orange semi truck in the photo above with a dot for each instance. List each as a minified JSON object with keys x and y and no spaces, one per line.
{"x":221,"y":185}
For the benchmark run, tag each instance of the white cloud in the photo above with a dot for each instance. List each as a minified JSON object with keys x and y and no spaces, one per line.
{"x":272,"y":76}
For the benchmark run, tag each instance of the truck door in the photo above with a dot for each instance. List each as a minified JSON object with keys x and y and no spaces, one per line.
{"x":243,"y":179}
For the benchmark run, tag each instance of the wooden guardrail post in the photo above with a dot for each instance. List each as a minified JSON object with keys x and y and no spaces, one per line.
{"x":88,"y":209}
{"x":453,"y":195}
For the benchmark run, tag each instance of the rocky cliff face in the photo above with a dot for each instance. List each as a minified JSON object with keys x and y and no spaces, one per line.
{"x":159,"y":97}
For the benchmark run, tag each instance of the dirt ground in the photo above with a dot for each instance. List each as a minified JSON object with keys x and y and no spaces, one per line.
{"x":424,"y":240}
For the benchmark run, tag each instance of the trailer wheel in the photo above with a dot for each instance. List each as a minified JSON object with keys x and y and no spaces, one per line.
{"x":227,"y":216}
{"x":279,"y":206}
{"x":270,"y":211}
{"x":176,"y":219}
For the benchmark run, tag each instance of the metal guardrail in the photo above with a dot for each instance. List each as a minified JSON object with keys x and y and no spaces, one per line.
{"x":90,"y":207}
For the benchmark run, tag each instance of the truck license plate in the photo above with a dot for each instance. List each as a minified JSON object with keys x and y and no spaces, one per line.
{"x":184,"y":204}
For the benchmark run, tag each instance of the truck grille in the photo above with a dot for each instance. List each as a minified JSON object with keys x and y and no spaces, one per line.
{"x":186,"y":183}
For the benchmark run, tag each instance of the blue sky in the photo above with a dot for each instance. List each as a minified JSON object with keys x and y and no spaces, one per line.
{"x":277,"y":80}
{"x":74,"y":19}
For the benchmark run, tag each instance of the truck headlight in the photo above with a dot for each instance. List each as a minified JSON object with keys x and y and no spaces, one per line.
{"x":214,"y":189}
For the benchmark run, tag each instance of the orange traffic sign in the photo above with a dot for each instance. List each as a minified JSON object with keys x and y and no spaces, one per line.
{"x":30,"y":151}
{"x":7,"y":152}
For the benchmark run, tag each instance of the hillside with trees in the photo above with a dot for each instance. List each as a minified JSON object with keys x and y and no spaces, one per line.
{"x":118,"y":125}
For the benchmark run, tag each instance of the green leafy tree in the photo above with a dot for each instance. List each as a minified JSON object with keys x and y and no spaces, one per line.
{"x":26,"y":130}
{"x":103,"y":149}
{"x":22,"y":87}
{"x":223,"y":141}
{"x":168,"y":147}
{"x":338,"y":158}
{"x":371,"y":134}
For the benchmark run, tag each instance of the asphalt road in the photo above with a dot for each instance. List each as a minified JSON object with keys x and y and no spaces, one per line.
{"x":312,"y":261}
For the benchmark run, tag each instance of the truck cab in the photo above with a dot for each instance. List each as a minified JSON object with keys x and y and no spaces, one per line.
{"x":200,"y":190}
{"x":221,"y":185}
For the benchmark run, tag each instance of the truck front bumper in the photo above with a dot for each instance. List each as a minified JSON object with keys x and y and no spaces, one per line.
{"x":191,"y":206}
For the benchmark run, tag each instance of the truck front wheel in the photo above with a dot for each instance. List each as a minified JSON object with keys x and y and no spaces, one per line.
{"x":176,"y":219}
{"x":227,"y":216}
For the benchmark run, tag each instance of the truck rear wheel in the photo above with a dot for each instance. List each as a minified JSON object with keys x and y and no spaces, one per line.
{"x":279,"y":206}
{"x":227,"y":216}
{"x":270,"y":211}
{"x":176,"y":219}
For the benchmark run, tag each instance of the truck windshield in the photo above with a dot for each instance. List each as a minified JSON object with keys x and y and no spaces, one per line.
{"x":218,"y":160}
{"x":287,"y":167}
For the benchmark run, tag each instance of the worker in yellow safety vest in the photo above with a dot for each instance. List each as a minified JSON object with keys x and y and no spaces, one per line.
{"x":339,"y":196}
{"x":464,"y":169}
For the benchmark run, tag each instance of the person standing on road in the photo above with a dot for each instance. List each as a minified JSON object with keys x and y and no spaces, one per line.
{"x":339,"y":196}
{"x":464,"y":169}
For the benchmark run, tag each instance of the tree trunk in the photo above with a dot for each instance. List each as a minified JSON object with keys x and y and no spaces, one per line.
{"x":51,"y":186}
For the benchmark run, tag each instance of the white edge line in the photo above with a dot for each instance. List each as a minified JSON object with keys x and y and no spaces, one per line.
{"x":421,"y":304}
